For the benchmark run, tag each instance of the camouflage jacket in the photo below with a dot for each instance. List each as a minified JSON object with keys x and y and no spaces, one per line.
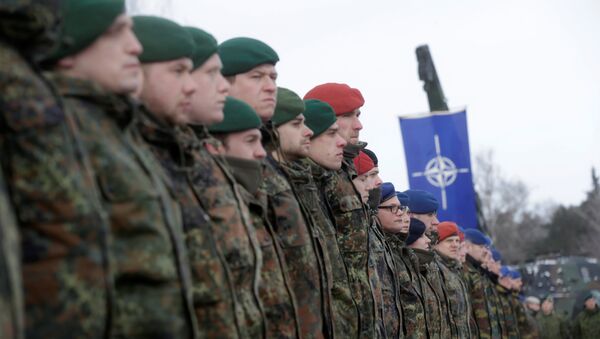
{"x":344,"y":309}
{"x":298,"y":239}
{"x":586,"y":324}
{"x":352,"y":224}
{"x":527,"y":329}
{"x":275,"y":291}
{"x":212,"y":294}
{"x":433,"y":302}
{"x":11,"y":296}
{"x":474,"y":277}
{"x":459,"y":303}
{"x":553,"y":326}
{"x":231,"y":225}
{"x":411,"y":298}
{"x":383,"y":281}
{"x":497,"y":312}
{"x":147,"y":247}
{"x":434,"y":275}
{"x":63,"y":229}
{"x":510,"y":319}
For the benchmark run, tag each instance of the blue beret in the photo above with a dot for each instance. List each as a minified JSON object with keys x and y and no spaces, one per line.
{"x":514,"y":274}
{"x":422,"y":202}
{"x":415,"y":231}
{"x":403,"y":198}
{"x":475,"y":236}
{"x":496,"y":255}
{"x":387,"y":191}
{"x":504,"y":271}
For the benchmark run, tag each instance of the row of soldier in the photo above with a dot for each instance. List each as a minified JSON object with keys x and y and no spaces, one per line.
{"x":157,"y":184}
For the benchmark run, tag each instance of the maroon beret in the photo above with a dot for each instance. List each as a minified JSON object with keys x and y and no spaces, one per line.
{"x":341,"y":97}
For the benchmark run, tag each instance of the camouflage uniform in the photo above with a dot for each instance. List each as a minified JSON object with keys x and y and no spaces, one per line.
{"x":63,"y":229}
{"x":491,"y":280}
{"x":344,"y":309}
{"x":460,"y":305}
{"x":433,"y":303}
{"x":297,"y":238}
{"x":11,"y":296}
{"x":351,"y":222}
{"x":434,"y":275}
{"x":216,"y":189}
{"x":510,"y":319}
{"x":213,"y":294}
{"x":410,"y":295}
{"x":553,"y":326}
{"x":527,"y":330}
{"x":477,"y":285}
{"x":276,"y":294}
{"x":150,"y":261}
{"x":587,"y":324}
{"x":383,"y":281}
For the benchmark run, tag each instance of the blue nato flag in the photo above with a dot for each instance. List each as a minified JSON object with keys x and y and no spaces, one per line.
{"x":438,"y":160}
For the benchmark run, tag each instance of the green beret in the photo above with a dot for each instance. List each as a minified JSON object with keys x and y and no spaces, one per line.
{"x":319,"y":116}
{"x":83,"y":21}
{"x":289,"y":105}
{"x":162,"y":39}
{"x":206,"y":45}
{"x":239,"y":116}
{"x":240,"y":55}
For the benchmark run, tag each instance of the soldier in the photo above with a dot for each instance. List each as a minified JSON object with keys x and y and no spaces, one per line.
{"x":493,"y":264}
{"x":423,"y":206}
{"x":325,"y":155}
{"x":475,"y":279}
{"x":351,"y":218}
{"x":551,"y":324}
{"x":213,"y":295}
{"x":527,"y":328}
{"x":63,"y":230}
{"x":244,"y":59}
{"x":503,"y":289}
{"x":587,"y":323}
{"x":381,"y":266}
{"x":447,"y":249}
{"x":394,"y":220}
{"x":95,"y":71}
{"x":241,"y":145}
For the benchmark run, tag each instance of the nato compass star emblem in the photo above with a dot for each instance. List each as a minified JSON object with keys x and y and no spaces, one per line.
{"x":440,"y":171}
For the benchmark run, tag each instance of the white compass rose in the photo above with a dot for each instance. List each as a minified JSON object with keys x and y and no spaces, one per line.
{"x":440,"y":171}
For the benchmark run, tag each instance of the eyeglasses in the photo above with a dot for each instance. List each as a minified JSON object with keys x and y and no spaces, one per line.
{"x":395,"y":208}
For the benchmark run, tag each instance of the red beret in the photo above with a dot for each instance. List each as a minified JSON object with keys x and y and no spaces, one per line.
{"x":363,"y":163}
{"x":447,"y":229}
{"x":341,"y":97}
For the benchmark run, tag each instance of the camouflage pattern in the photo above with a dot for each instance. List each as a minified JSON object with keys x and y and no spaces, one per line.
{"x":63,"y":229}
{"x":586,"y":324}
{"x":527,"y":329}
{"x":212,"y":294}
{"x":475,"y":280}
{"x":297,"y":239}
{"x":411,"y":299}
{"x":438,"y":282}
{"x":553,"y":326}
{"x":433,"y":308}
{"x":459,"y":303}
{"x":382,"y":270}
{"x":343,"y":306}
{"x":496,"y":311}
{"x":510,"y":319}
{"x":11,"y":295}
{"x":231,"y":225}
{"x":352,"y":222}
{"x":152,"y":295}
{"x":276,"y":294}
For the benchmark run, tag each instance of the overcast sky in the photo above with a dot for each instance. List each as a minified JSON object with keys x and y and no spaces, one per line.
{"x":527,"y":71}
